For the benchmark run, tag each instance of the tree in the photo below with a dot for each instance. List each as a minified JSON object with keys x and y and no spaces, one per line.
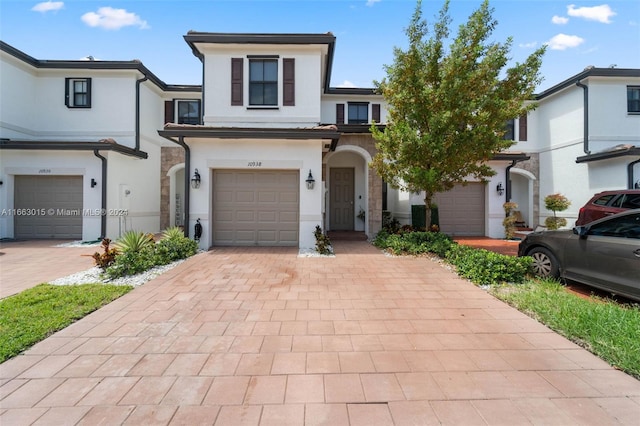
{"x":448,"y":109}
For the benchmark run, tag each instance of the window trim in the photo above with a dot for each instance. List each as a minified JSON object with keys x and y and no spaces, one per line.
{"x":357,"y":121}
{"x":631,"y":89}
{"x":176,"y":109}
{"x":277,"y":82}
{"x":70,"y":93}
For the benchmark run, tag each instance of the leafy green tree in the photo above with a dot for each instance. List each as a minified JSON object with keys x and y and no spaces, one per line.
{"x":448,"y":107}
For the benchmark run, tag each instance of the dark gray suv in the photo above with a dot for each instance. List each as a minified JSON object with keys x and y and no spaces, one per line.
{"x":604,"y":254}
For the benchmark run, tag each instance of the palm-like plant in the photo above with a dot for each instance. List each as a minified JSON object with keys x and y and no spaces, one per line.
{"x":134,"y":241}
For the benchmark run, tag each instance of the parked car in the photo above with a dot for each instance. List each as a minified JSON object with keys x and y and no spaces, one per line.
{"x":607,"y":203}
{"x":604,"y":254}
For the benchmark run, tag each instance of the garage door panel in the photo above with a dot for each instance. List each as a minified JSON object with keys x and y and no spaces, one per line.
{"x":461,"y":210}
{"x":259,"y":207}
{"x":44,"y":193}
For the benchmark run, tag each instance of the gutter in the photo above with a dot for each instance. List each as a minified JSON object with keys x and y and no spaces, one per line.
{"x":507,"y":189}
{"x":72,"y":146}
{"x":631,"y":179}
{"x":138,"y":83}
{"x":187,"y":174}
{"x":103,"y":203}
{"x":585,"y":90}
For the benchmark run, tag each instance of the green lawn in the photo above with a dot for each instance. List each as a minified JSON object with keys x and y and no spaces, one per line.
{"x":38,"y":312}
{"x":608,"y":329}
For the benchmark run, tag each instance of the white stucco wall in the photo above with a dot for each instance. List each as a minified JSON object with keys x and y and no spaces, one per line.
{"x":301,"y":155}
{"x":329,"y":106}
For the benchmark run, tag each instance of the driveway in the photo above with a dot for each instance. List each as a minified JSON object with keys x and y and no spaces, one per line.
{"x":262,"y":336}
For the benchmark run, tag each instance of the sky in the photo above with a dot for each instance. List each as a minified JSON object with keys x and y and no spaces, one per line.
{"x":579,"y":33}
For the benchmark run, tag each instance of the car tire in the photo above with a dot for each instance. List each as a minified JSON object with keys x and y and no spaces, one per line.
{"x":544,"y":263}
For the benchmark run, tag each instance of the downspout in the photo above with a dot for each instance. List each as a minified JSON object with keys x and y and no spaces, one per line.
{"x":631,"y":178}
{"x":585,"y":90}
{"x":103,"y":215}
{"x":138,"y":83}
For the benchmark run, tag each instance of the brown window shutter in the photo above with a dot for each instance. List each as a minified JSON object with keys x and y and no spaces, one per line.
{"x":522,"y":125}
{"x":288,"y":81}
{"x":375,"y":113}
{"x":168,"y":112}
{"x":339,"y":113}
{"x":236,"y":81}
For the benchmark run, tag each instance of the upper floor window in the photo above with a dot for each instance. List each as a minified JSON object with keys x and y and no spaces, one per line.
{"x":358,"y":113}
{"x":263,"y":82}
{"x":509,"y":130}
{"x":78,"y":92}
{"x":188,"y":111}
{"x":633,"y":99}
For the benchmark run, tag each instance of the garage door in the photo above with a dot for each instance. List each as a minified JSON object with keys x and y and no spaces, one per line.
{"x":255,"y":208}
{"x":52,"y":207}
{"x":461,"y":210}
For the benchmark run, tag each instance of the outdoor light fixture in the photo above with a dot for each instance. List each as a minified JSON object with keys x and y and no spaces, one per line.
{"x":93,"y":183}
{"x":195,"y":180}
{"x":500,"y":189}
{"x":310,"y":180}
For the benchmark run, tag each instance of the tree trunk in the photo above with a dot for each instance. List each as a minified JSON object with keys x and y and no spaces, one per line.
{"x":427,"y":210}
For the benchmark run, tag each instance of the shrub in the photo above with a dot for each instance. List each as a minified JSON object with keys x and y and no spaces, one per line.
{"x":509,"y":221}
{"x":413,"y":242}
{"x":107,"y":257}
{"x":556,"y":203}
{"x":486,"y":267}
{"x":134,"y":241}
{"x":174,"y":247}
{"x":323,"y":243}
{"x":131,"y":262}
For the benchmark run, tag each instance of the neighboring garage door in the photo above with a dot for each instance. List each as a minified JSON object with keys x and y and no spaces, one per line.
{"x":255,"y":208}
{"x":461,"y":210}
{"x":52,"y":207}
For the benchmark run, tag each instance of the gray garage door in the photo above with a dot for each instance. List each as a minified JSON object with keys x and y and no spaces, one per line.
{"x":461,"y":210}
{"x":52,"y":207}
{"x":255,"y":208}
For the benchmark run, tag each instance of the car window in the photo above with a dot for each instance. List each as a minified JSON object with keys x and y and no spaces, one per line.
{"x":629,"y":201}
{"x":602,"y":201}
{"x":623,"y":227}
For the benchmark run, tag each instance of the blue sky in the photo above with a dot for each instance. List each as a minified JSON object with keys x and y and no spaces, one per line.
{"x":579,"y":32}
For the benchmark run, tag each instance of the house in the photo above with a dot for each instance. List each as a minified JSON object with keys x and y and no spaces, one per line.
{"x":265,"y":149}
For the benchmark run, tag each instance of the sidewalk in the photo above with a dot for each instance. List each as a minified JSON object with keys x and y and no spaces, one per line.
{"x":260,"y":336}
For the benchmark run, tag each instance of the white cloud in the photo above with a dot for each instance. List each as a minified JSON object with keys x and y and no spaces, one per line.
{"x":346,"y":83}
{"x":48,"y":6}
{"x":113,"y":19}
{"x":530,"y":45}
{"x":370,"y":3}
{"x":600,"y":13}
{"x":559,"y":20}
{"x":564,"y":41}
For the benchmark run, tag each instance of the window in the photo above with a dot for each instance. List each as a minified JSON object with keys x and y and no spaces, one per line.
{"x":509,"y":131}
{"x":358,"y":113}
{"x":627,"y":201}
{"x":188,"y":111}
{"x":78,"y":92}
{"x":263,"y":82}
{"x":604,"y":200}
{"x":623,"y":227}
{"x":633,"y":99}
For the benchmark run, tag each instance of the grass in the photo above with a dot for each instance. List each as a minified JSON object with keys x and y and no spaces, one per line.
{"x":38,"y":312}
{"x":605,"y":328}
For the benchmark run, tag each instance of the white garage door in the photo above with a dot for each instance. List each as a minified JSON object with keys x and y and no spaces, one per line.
{"x":255,"y":208}
{"x":461,"y":210}
{"x":52,"y":207}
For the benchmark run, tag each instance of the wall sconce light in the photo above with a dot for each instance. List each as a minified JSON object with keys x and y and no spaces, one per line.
{"x":93,"y":183}
{"x":310,"y":180}
{"x":195,"y":180}
{"x":500,"y":189}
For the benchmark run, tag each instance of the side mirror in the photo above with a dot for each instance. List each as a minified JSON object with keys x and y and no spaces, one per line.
{"x":581,"y":231}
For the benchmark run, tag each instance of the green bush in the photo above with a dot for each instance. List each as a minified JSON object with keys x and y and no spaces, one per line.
{"x":485,"y":267}
{"x":134,"y":241}
{"x":323,"y":243}
{"x":132,"y":262}
{"x":478,"y":265}
{"x":174,"y":248}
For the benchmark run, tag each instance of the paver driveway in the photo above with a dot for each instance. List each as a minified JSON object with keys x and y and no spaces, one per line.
{"x":261,"y":336}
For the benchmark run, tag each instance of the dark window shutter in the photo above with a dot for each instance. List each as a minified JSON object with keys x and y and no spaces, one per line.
{"x":236,"y":81}
{"x":522,"y":125}
{"x":288,"y":81}
{"x":375,"y":113}
{"x":168,"y":112}
{"x":339,"y":113}
{"x":67,"y":83}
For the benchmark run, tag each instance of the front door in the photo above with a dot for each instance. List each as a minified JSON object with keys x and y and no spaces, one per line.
{"x":341,"y":205}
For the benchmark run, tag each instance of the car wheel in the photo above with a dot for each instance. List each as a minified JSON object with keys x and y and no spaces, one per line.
{"x":545,"y":263}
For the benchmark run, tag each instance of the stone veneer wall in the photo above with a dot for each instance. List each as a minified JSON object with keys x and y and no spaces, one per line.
{"x":169,"y":157}
{"x":374,"y":208}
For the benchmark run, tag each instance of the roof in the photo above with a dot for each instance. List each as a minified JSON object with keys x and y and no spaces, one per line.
{"x":103,"y":144}
{"x":589,"y":72}
{"x":96,"y":65}
{"x":615,"y":152}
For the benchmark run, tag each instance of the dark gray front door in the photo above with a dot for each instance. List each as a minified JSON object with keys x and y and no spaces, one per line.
{"x":341,"y":205}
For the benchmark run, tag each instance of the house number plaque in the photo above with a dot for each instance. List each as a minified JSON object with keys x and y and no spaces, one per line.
{"x":254,"y":164}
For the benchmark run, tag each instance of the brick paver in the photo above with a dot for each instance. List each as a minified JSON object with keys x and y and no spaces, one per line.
{"x":261,"y":336}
